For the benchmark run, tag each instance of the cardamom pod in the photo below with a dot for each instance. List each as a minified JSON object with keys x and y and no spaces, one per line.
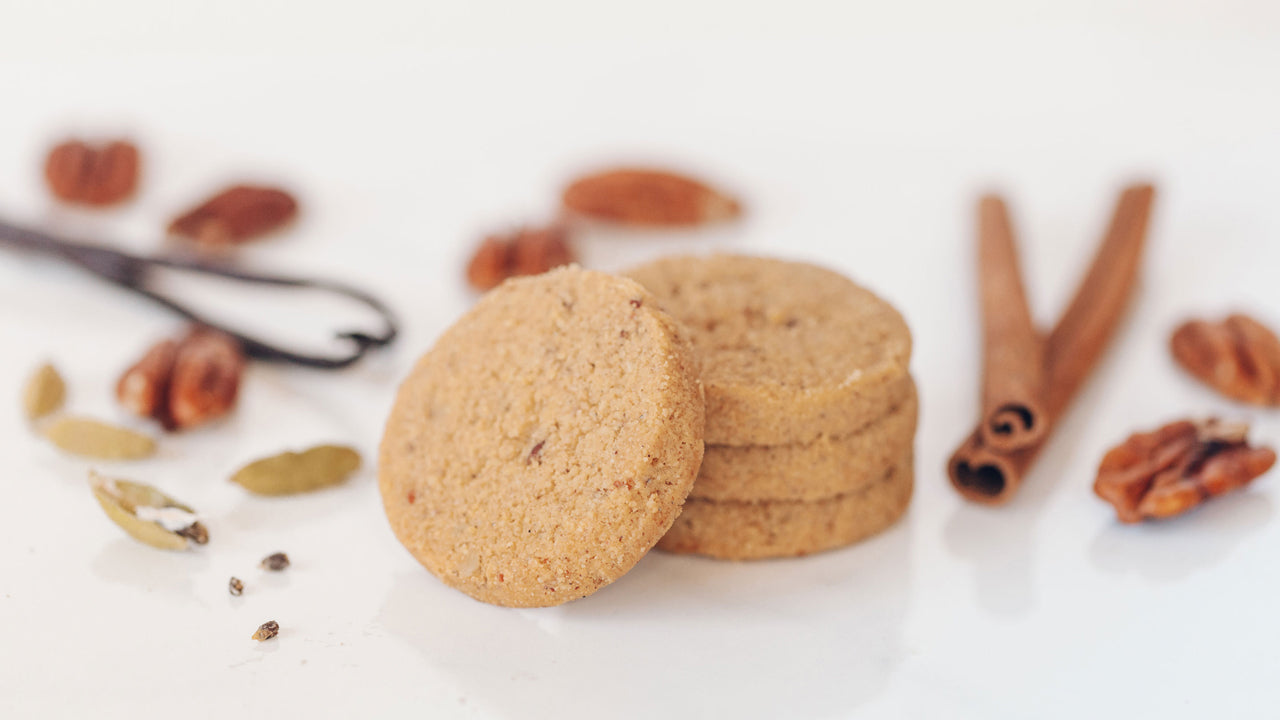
{"x":147,"y":514}
{"x":44,"y":392}
{"x":95,"y":439}
{"x":292,"y":472}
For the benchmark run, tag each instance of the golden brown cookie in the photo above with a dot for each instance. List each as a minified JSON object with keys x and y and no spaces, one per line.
{"x":789,"y":351}
{"x":783,"y":528}
{"x":814,"y":470}
{"x":546,"y":442}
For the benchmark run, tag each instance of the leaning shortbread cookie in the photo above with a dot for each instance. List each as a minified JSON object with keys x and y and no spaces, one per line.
{"x":814,"y":470}
{"x":789,"y":351}
{"x":546,"y":441}
{"x":770,"y":529}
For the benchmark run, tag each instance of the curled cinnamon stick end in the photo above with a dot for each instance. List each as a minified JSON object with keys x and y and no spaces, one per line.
{"x":1013,"y":357}
{"x":987,"y":474}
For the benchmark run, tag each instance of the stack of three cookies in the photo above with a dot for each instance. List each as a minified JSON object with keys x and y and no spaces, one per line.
{"x":557,"y":432}
{"x":810,"y":409}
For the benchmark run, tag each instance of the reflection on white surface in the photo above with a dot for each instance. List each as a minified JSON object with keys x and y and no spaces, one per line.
{"x":129,"y":562}
{"x":677,"y":636}
{"x":1170,"y":550}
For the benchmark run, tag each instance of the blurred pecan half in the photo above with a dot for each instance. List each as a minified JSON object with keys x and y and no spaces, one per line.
{"x":633,"y":196}
{"x":186,"y":383}
{"x":206,"y":378}
{"x":106,"y":174}
{"x":1164,"y":473}
{"x":236,"y":215}
{"x":144,"y":388}
{"x":527,"y":251}
{"x":1239,"y":357}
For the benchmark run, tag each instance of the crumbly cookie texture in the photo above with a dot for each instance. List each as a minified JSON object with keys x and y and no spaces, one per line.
{"x":789,"y":351}
{"x":782,"y":528}
{"x":814,"y":470}
{"x":546,"y":441}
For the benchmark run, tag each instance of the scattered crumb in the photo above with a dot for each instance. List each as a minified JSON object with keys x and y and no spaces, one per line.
{"x":267,"y":630}
{"x":275,"y":562}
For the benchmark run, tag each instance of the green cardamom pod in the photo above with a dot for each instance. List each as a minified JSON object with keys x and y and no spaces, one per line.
{"x":147,"y":514}
{"x":290,"y":473}
{"x":95,"y":439}
{"x":44,"y":392}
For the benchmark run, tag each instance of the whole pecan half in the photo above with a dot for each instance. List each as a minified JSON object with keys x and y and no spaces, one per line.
{"x":1239,"y":357}
{"x":648,"y":197}
{"x":1164,"y":473}
{"x":105,"y":174}
{"x":236,"y":215}
{"x":527,"y":251}
{"x":186,"y":383}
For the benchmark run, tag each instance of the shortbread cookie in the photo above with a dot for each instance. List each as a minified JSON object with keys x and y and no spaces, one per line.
{"x":789,"y":351}
{"x":781,"y":528}
{"x":814,"y":470}
{"x":547,"y":441}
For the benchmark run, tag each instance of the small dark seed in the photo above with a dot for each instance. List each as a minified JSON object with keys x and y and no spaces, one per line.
{"x":235,"y":586}
{"x":267,"y":630}
{"x":196,"y":533}
{"x":275,"y":561}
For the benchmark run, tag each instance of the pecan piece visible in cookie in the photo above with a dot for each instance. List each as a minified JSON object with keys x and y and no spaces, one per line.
{"x":1239,"y":357}
{"x":1164,"y":473}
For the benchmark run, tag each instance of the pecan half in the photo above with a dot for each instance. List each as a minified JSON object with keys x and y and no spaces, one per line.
{"x":635,"y":196}
{"x":489,"y":265}
{"x":527,"y":251}
{"x":106,"y":174}
{"x":1239,"y":357}
{"x":236,"y":215}
{"x":1164,"y":473}
{"x":186,"y":383}
{"x":144,"y":388}
{"x":206,"y":378}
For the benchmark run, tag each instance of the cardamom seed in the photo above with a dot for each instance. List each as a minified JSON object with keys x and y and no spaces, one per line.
{"x":91,"y":438}
{"x":266,"y":631}
{"x":275,"y":562}
{"x":235,"y":586}
{"x":147,"y":514}
{"x":291,"y":472}
{"x":44,"y":393}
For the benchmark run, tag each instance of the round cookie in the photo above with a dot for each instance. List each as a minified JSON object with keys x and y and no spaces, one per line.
{"x":782,"y":528}
{"x":814,"y":470}
{"x":546,"y":441}
{"x":789,"y":351}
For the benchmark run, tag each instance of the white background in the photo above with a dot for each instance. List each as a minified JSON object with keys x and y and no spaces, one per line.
{"x":858,"y":135}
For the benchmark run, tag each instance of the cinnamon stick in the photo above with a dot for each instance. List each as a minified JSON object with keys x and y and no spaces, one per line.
{"x":985,"y":474}
{"x":1013,"y":356}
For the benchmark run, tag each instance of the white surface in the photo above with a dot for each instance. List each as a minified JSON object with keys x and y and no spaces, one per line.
{"x":858,"y":135}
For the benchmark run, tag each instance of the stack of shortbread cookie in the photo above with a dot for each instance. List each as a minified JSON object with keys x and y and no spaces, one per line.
{"x":738,"y":408}
{"x":810,"y":407}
